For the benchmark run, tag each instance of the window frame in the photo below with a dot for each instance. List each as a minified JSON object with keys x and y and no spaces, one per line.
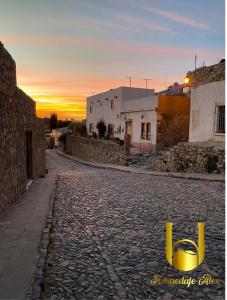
{"x":91,"y":127}
{"x":112,"y":129}
{"x":113,"y":104}
{"x":143,"y":130}
{"x":219,"y":126}
{"x":148,"y":125}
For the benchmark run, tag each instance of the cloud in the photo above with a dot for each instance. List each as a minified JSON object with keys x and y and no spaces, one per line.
{"x":176,"y":18}
{"x":144,"y":24}
{"x":109,"y":45}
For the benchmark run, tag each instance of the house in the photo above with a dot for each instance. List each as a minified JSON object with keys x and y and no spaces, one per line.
{"x":124,"y":110}
{"x":151,"y":120}
{"x":207,"y":116}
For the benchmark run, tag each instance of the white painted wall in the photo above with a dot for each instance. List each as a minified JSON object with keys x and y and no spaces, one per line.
{"x":204,"y":99}
{"x":101,"y":109}
{"x":141,"y":110}
{"x":131,"y":104}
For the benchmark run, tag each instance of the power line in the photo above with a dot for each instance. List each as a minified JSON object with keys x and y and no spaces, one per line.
{"x":130,"y":80}
{"x":146,"y":80}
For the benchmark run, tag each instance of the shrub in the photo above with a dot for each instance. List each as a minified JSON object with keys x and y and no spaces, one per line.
{"x":94,"y":135}
{"x":211,"y":164}
{"x":78,"y":128}
{"x":62,"y":139}
{"x":101,"y":126}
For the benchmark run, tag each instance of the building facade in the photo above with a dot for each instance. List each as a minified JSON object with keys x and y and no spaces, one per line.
{"x":207,"y":116}
{"x":150,"y":120}
{"x":124,"y":110}
{"x":22,"y":143}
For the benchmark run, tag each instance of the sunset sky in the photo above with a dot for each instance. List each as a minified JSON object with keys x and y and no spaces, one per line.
{"x":68,"y":50}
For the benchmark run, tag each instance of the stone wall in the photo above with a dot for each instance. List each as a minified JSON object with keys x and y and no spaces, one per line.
{"x":17,"y":116}
{"x":208,"y":74}
{"x":172,"y":128}
{"x":97,"y":150}
{"x":192,"y":158}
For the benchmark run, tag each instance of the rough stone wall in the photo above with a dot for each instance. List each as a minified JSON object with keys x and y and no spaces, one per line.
{"x":97,"y":150}
{"x":208,"y":74}
{"x":39,"y":146}
{"x":172,"y":128}
{"x":192,"y":158}
{"x":17,"y":114}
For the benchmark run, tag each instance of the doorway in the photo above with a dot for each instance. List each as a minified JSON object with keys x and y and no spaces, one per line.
{"x":128,"y":130}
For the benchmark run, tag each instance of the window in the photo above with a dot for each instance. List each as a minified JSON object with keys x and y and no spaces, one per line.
{"x":90,"y":109}
{"x":91,"y":128}
{"x":186,"y":90}
{"x":148,"y":131}
{"x":143,"y":130}
{"x":220,"y":119}
{"x":110,"y":129}
{"x":113,"y":104}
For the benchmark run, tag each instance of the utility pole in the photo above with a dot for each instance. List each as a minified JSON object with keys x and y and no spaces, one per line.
{"x":130,"y":80}
{"x":195,"y":60}
{"x":146,"y":80}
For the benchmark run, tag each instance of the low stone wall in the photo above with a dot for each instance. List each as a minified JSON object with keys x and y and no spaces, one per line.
{"x":97,"y":150}
{"x":192,"y":158}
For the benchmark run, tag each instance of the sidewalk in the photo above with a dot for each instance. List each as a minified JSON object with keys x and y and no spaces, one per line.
{"x":194,"y":176}
{"x":21,"y":228}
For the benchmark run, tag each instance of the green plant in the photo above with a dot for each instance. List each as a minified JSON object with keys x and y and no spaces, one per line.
{"x":62,"y":139}
{"x":101,"y":126}
{"x":94,"y":135}
{"x":211,"y":164}
{"x":78,"y":128}
{"x":182,"y":166}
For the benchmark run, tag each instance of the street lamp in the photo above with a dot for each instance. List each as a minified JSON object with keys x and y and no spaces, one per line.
{"x":186,"y":79}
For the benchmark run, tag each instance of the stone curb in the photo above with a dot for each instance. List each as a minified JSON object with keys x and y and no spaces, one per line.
{"x":193,"y":176}
{"x":37,"y":284}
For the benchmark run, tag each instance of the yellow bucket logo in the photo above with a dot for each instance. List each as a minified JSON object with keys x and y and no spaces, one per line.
{"x":181,"y":259}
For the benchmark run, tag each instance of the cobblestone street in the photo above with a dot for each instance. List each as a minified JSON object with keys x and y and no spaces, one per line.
{"x":107,"y":238}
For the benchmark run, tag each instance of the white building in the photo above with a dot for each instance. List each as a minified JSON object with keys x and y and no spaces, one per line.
{"x":207,"y":115}
{"x":152,"y":121}
{"x":125,"y":110}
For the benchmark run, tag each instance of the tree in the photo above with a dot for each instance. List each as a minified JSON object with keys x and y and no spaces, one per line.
{"x":53,"y":121}
{"x":101,"y":126}
{"x":78,"y":128}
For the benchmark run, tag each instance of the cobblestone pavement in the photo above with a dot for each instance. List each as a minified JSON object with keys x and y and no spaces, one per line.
{"x":108,"y":235}
{"x":142,"y":160}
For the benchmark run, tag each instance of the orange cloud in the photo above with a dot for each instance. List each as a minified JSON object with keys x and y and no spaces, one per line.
{"x":65,"y":106}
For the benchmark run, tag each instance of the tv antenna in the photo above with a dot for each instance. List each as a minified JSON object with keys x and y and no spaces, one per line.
{"x":130,"y":80}
{"x":146,"y":80}
{"x":195,"y":60}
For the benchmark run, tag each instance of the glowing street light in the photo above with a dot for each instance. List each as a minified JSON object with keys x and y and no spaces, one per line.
{"x":186,"y":79}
